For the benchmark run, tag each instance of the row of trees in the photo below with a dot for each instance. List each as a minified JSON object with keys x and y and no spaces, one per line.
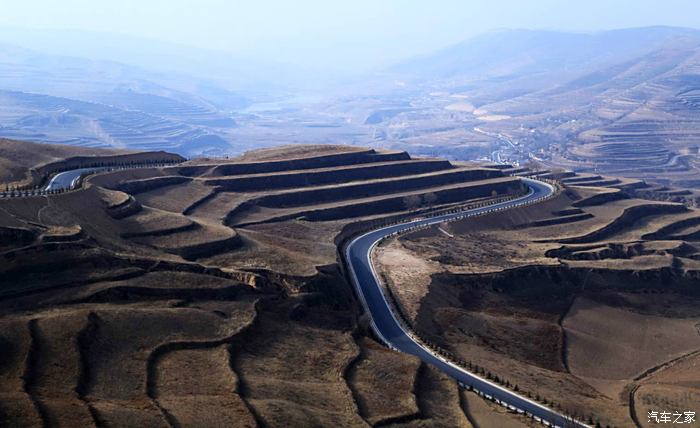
{"x":116,"y":164}
{"x":33,"y":192}
{"x":415,"y":202}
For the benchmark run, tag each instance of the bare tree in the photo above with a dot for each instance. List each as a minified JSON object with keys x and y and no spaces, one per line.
{"x":532,"y":165}
{"x":429,"y":199}
{"x":557,"y":173}
{"x":412,"y":202}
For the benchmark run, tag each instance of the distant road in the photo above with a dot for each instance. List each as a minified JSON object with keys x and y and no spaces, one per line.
{"x":68,"y":179}
{"x":390,"y":330}
{"x":496,"y":157}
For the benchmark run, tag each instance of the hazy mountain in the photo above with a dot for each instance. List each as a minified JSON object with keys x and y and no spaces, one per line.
{"x":540,"y":88}
{"x":599,"y":102}
{"x":225,"y":70}
{"x":509,"y":54}
{"x":97,"y":103}
{"x":147,"y":54}
{"x":30,"y":70}
{"x":99,"y":89}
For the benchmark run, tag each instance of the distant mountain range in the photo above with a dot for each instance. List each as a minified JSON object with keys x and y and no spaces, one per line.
{"x":99,"y":89}
{"x":582,"y":101}
{"x":512,"y":54}
{"x":164,"y":58}
{"x":99,"y":103}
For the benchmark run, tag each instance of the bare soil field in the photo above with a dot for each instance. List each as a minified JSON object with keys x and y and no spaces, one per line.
{"x":402,"y":267}
{"x":673,"y":387}
{"x":375,"y":369}
{"x":483,"y":413}
{"x":610,"y":343}
{"x":202,"y":396}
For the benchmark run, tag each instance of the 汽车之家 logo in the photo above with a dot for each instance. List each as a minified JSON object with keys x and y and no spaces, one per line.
{"x":667,"y":417}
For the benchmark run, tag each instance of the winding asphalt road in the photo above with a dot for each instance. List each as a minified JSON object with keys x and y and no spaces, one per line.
{"x":393,"y":334}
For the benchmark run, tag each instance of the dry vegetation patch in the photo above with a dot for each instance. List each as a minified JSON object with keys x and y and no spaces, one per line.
{"x":16,"y":405}
{"x":439,"y":400}
{"x":175,"y":198}
{"x":293,"y":372}
{"x":611,"y":343}
{"x":486,"y":414}
{"x":673,"y":387}
{"x":410,"y":275}
{"x":383,"y":382}
{"x":197,"y":387}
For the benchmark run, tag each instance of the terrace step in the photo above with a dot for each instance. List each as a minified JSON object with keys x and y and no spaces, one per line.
{"x":199,"y":240}
{"x":675,"y":227}
{"x":581,"y":178}
{"x":314,"y":162}
{"x":557,"y":220}
{"x":324,"y":176}
{"x":625,"y":220}
{"x":396,"y":202}
{"x":370,"y":188}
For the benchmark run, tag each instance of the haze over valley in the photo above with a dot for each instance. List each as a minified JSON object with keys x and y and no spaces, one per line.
{"x":621,"y":102}
{"x":366,"y":214}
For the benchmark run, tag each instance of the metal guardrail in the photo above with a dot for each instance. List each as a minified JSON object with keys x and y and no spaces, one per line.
{"x":43,"y":191}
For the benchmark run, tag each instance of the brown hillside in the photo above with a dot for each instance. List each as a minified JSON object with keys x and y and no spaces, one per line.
{"x":135,"y":300}
{"x":585,"y":299}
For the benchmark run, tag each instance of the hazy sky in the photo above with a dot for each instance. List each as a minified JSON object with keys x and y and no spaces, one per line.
{"x":349,"y":33}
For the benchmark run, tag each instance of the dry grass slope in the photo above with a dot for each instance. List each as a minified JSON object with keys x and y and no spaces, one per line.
{"x":168,"y":316}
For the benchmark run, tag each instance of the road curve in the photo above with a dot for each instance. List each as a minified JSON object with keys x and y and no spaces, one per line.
{"x":68,"y":179}
{"x":392,"y":333}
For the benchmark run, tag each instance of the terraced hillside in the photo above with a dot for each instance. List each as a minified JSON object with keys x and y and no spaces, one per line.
{"x":125,"y":122}
{"x":643,"y":127}
{"x":589,"y":300}
{"x":209,"y":293}
{"x":87,"y":102}
{"x":621,"y":102}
